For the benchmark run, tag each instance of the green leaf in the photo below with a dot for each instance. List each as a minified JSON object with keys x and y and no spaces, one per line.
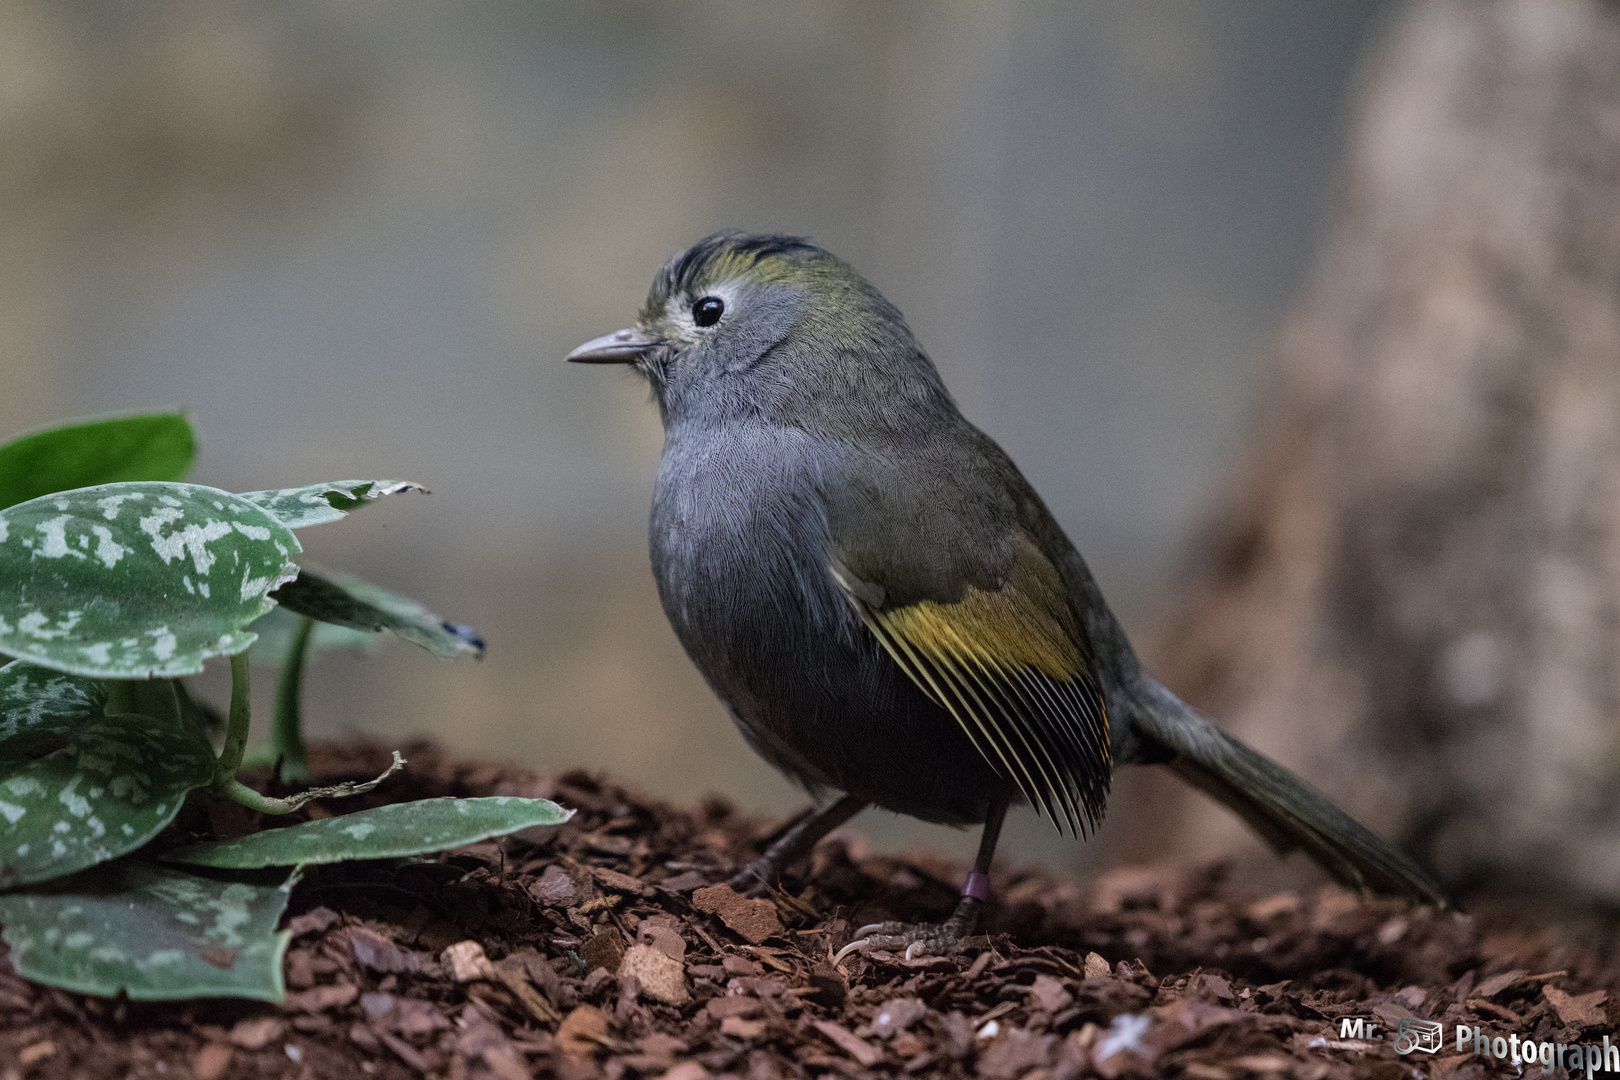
{"x":300,"y":507}
{"x":385,"y":832}
{"x":156,"y":446}
{"x":39,"y":709}
{"x":277,"y":628}
{"x":161,"y":697}
{"x":287,"y":726}
{"x":137,"y":580}
{"x":330,"y":596}
{"x":71,"y":797}
{"x":154,"y":933}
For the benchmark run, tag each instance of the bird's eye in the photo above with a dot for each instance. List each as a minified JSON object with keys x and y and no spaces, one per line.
{"x":707,"y":311}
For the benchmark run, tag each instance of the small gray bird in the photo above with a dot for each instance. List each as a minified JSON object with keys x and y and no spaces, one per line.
{"x":879,"y":597}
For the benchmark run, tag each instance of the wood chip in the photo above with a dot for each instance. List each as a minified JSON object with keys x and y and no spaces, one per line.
{"x":554,"y":887}
{"x":1583,"y":1011}
{"x":404,"y":1051}
{"x":582,"y":1031}
{"x":1096,"y":967}
{"x":663,"y":939}
{"x":980,"y":965}
{"x":465,"y":962}
{"x":738,"y":1028}
{"x":734,"y":1005}
{"x":753,"y":920}
{"x":1498,"y":983}
{"x":1263,"y":1063}
{"x":482,"y":1038}
{"x":211,"y":1061}
{"x":256,"y":1032}
{"x":741,"y":967}
{"x":687,"y":1070}
{"x":312,"y":922}
{"x":1015,"y":1053}
{"x":684,"y":882}
{"x":380,"y":954}
{"x":772,"y":959}
{"x":1279,"y":904}
{"x":603,"y":949}
{"x":1049,"y":994}
{"x":894,"y":1016}
{"x":1491,"y":1008}
{"x":37,"y":1052}
{"x":662,"y":977}
{"x":412,"y":1016}
{"x":612,"y":879}
{"x":512,"y":973}
{"x":320,"y":998}
{"x":847,"y":1041}
{"x":1208,"y":985}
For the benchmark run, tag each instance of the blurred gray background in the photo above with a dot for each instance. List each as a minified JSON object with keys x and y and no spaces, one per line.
{"x":356,"y":240}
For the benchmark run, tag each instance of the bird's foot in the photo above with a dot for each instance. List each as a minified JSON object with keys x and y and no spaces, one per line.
{"x":793,"y":841}
{"x":917,"y":939}
{"x":755,"y":878}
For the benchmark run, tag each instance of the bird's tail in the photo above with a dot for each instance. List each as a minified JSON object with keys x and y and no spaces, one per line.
{"x":1278,"y":805}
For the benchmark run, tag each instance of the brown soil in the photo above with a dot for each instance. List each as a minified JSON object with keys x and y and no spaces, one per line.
{"x":601,"y":947}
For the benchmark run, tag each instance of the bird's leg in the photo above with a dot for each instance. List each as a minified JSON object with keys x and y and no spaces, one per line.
{"x":928,"y":939}
{"x":794,"y":842}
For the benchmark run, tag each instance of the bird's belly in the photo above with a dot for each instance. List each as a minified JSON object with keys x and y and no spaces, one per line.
{"x":809,"y":686}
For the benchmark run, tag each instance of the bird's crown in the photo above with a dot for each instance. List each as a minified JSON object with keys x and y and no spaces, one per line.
{"x":733,"y":256}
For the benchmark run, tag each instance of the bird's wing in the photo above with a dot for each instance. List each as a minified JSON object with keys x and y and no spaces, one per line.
{"x":1008,"y":665}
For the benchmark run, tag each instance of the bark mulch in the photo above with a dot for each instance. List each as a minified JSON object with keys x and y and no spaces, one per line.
{"x":606,"y":947}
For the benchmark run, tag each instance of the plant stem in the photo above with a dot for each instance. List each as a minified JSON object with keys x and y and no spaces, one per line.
{"x":286,"y":733}
{"x":236,"y":729}
{"x":235,"y":789}
{"x":264,"y":804}
{"x":230,"y":759}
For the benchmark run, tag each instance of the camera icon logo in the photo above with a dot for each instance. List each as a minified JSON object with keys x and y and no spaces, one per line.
{"x":1414,"y":1034}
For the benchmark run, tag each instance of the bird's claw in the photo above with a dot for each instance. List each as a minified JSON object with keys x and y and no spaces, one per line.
{"x":915,"y":939}
{"x":754,"y":879}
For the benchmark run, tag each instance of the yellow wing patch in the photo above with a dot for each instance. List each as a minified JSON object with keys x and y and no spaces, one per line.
{"x":996,"y":628}
{"x":1008,"y":667}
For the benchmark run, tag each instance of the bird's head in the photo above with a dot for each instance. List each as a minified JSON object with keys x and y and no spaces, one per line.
{"x":768,"y":326}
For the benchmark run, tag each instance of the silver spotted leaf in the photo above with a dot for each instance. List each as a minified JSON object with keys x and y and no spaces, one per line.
{"x":153,"y":933}
{"x":384,"y":832}
{"x":333,"y":597}
{"x":40,"y":708}
{"x":300,"y":507}
{"x":137,"y":580}
{"x":78,"y":796}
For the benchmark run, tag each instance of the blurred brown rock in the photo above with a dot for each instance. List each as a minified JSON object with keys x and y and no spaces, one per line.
{"x":1411,"y":590}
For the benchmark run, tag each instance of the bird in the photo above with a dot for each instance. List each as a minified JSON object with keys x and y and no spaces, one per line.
{"x":884,"y":605}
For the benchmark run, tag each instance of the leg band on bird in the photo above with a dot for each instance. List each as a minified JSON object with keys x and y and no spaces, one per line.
{"x":977,"y":886}
{"x":923,"y":939}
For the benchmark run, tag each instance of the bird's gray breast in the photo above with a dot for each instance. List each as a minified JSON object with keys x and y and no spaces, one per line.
{"x":739,"y":532}
{"x":739,"y":549}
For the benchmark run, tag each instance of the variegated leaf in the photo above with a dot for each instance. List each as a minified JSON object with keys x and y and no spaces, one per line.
{"x":153,"y":933}
{"x":300,"y":507}
{"x":137,"y":580}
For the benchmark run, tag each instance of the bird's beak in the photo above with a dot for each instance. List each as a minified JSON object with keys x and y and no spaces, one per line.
{"x":620,"y":347}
